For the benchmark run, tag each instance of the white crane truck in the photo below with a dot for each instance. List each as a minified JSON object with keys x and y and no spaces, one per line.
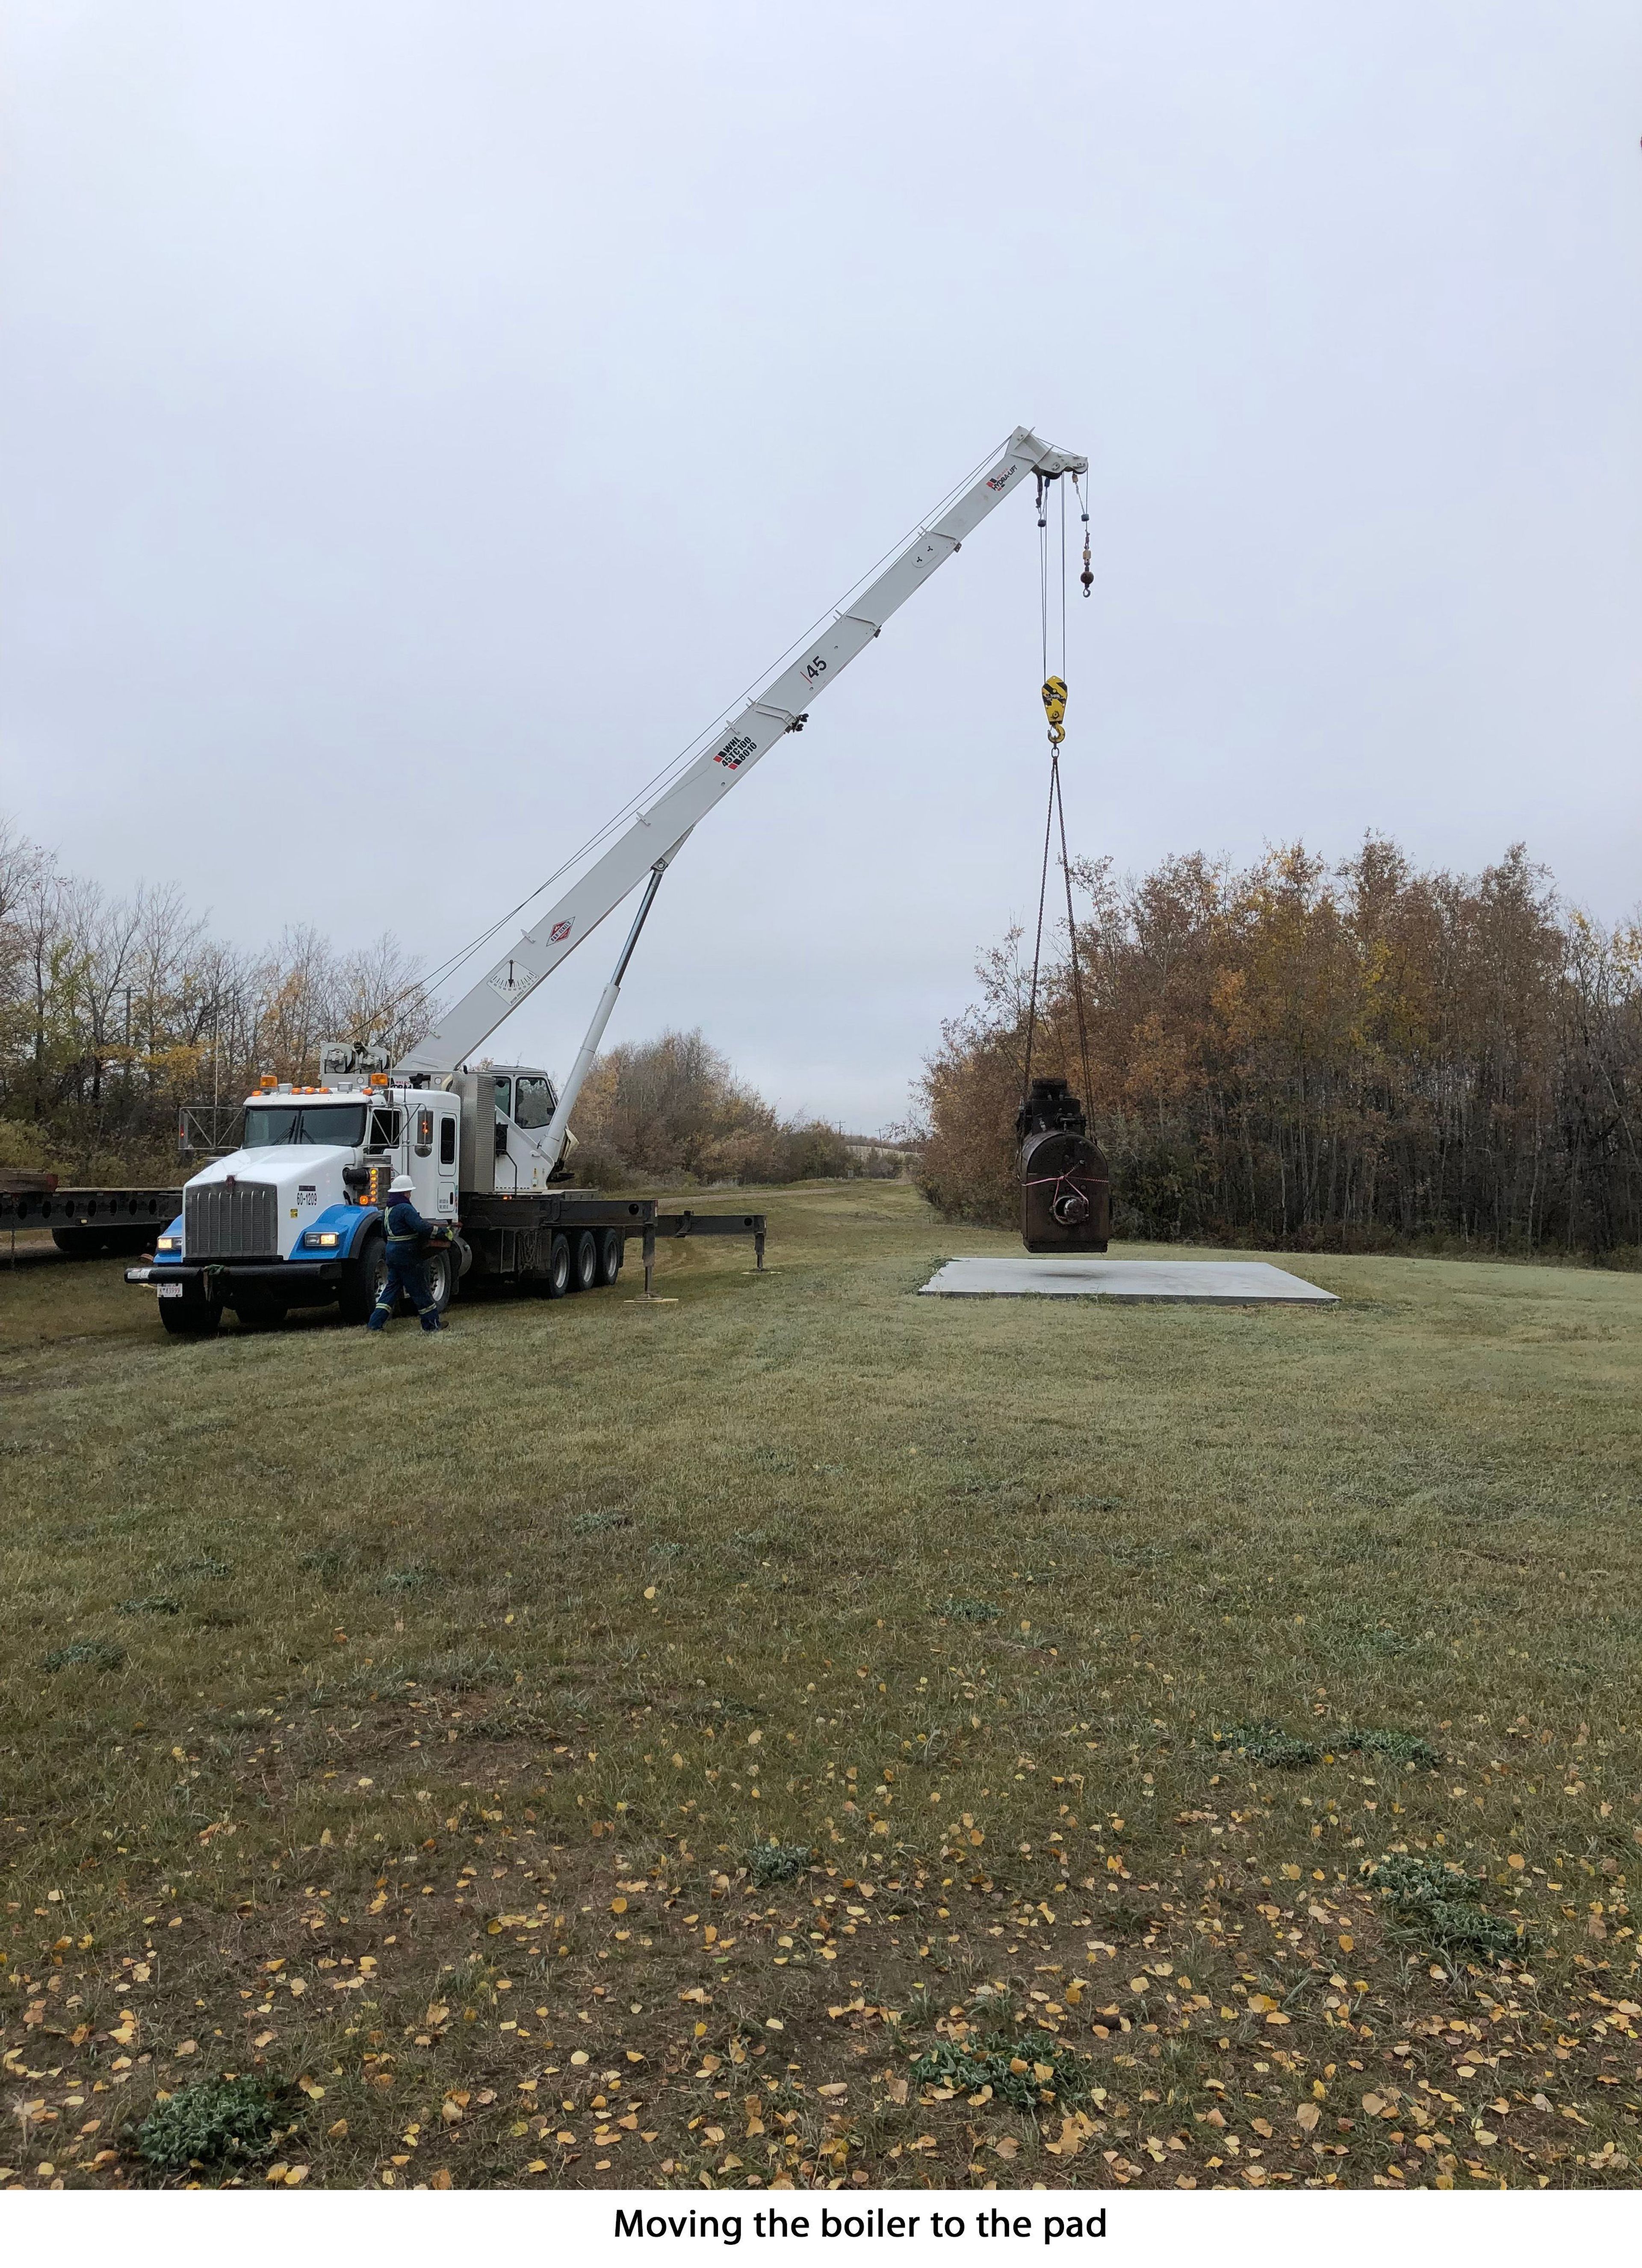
{"x":293,"y":1218}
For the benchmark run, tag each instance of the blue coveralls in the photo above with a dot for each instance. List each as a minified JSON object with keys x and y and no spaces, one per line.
{"x":406,"y":1232}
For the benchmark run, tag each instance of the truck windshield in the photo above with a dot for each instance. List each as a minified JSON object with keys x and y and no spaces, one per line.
{"x":267,"y":1124}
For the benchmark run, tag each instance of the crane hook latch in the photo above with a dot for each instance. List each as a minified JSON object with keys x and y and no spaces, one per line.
{"x":1055,"y":708}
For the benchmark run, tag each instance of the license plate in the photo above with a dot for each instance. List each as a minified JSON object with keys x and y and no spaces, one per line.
{"x":169,"y":1291}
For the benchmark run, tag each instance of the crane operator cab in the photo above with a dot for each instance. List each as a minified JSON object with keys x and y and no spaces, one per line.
{"x":506,"y":1111}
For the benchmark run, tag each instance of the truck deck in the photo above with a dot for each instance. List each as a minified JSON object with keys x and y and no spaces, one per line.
{"x":511,"y":1236}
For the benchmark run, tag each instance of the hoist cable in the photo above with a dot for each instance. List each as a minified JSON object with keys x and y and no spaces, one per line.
{"x":1043,"y":582}
{"x":1072,"y":940}
{"x":1037,"y":942}
{"x":1062,"y":578}
{"x":1057,"y":811}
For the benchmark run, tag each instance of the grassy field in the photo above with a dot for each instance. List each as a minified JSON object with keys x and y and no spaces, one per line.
{"x":809,"y":1734}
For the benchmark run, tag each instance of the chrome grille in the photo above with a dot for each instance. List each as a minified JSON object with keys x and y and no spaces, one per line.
{"x":224,"y":1222}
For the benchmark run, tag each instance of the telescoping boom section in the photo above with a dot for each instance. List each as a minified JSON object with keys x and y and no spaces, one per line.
{"x":657,"y":833}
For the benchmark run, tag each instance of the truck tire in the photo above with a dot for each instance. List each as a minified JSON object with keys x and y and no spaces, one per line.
{"x":363,"y":1278}
{"x":584,"y":1262}
{"x":558,"y":1277}
{"x":126,"y":1241}
{"x":612,"y":1251}
{"x":78,"y":1243}
{"x":441,"y":1271}
{"x":191,"y":1318}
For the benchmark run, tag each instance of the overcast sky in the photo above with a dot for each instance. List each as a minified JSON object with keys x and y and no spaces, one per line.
{"x":419,"y":420}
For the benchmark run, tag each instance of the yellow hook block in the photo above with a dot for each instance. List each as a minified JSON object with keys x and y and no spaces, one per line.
{"x":1054,"y":708}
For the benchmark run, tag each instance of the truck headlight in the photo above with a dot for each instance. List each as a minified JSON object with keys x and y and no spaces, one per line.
{"x":317,"y":1238}
{"x":168,"y":1244}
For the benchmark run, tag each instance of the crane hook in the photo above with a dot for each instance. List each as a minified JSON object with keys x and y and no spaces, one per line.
{"x":1055,"y":708}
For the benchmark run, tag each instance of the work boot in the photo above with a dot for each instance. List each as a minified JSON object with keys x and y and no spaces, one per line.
{"x":434,"y":1323}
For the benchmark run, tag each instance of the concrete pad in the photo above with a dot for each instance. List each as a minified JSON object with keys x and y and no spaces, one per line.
{"x":1225,"y":1283}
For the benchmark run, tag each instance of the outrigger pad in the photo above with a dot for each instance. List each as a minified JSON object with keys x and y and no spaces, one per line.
{"x":1065,"y":1190}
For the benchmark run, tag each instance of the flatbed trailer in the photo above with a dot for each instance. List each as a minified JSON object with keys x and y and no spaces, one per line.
{"x":85,"y":1223}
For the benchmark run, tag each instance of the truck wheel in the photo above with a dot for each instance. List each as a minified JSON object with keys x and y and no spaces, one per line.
{"x":191,"y":1318}
{"x":440,"y":1271}
{"x":584,"y":1272}
{"x":612,"y":1250}
{"x":558,"y":1267}
{"x":80,"y":1243}
{"x":363,"y":1278}
{"x":127,"y":1241}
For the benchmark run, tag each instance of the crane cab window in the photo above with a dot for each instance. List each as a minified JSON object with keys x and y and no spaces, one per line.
{"x":424,"y":1133}
{"x":504,"y":1098}
{"x":384,"y":1130}
{"x":533,"y":1103}
{"x":447,"y":1140}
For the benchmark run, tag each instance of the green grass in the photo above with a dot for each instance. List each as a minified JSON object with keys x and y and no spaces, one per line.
{"x":744,"y":1716}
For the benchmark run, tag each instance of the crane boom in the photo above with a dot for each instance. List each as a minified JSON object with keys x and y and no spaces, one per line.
{"x":657,"y":832}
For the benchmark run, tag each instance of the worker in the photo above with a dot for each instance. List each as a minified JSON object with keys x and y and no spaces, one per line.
{"x":406,"y":1234}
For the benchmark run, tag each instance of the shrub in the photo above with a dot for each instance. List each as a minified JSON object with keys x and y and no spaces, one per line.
{"x":1024,"y":2072}
{"x":86,"y":1653}
{"x":407,"y":1579}
{"x":1445,"y":1906}
{"x":776,"y":1862}
{"x":213,"y":2118}
{"x":1269,"y":1744}
{"x":1396,"y":1749}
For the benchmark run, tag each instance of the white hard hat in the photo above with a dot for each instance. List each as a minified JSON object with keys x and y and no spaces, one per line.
{"x":402,"y":1185}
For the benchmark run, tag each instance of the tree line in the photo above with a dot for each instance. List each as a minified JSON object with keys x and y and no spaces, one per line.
{"x":671,"y":1107}
{"x":1352,"y":1057}
{"x":118,"y":1010}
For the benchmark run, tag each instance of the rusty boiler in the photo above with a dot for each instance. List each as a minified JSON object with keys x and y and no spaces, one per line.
{"x":1065,"y":1190}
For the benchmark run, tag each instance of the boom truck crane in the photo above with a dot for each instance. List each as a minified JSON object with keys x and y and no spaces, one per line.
{"x":293,"y":1218}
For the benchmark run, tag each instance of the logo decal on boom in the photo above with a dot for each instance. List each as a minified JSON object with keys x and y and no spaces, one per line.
{"x":735,"y":752}
{"x":559,"y":931}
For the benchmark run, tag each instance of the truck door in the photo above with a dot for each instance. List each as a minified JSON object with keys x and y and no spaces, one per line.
{"x":533,"y":1104}
{"x":425,"y":1170}
{"x":506,"y":1166}
{"x":447,"y":1125}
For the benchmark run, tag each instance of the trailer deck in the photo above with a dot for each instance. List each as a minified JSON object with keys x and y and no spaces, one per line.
{"x":88,"y":1222}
